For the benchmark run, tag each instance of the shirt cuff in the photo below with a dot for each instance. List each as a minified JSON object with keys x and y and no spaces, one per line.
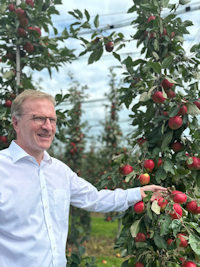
{"x":133,"y":195}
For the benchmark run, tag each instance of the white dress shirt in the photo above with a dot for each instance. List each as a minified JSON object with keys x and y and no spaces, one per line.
{"x":34,"y":207}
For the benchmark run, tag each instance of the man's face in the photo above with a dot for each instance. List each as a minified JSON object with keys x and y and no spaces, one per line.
{"x":33,"y":138}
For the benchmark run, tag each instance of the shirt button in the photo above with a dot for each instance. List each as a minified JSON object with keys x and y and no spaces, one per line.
{"x":43,"y":187}
{"x":54,"y":248}
{"x":49,"y":226}
{"x":46,"y":207}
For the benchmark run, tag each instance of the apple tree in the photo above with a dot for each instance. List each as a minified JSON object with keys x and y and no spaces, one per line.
{"x":163,"y":92}
{"x":25,"y":44}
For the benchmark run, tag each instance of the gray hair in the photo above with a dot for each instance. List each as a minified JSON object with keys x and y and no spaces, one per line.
{"x":17,"y":104}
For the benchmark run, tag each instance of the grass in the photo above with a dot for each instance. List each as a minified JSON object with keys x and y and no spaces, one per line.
{"x":102,"y":240}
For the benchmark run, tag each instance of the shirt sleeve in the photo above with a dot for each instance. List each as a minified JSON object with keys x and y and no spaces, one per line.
{"x":84,"y":195}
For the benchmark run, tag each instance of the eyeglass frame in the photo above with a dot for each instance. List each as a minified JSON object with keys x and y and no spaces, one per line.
{"x":42,"y":116}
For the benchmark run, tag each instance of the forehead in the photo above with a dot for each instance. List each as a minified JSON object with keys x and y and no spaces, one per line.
{"x":38,"y":106}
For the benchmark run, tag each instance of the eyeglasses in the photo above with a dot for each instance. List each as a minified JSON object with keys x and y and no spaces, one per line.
{"x":40,"y":119}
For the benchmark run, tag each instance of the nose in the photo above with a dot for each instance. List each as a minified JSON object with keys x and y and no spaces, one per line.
{"x":47,"y":125}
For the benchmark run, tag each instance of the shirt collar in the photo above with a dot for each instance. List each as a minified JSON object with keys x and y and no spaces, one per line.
{"x":18,"y":153}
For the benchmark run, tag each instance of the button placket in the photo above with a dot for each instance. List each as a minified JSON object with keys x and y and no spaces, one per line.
{"x":45,"y":201}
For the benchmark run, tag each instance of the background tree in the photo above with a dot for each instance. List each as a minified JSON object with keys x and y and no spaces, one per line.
{"x":165,"y":232}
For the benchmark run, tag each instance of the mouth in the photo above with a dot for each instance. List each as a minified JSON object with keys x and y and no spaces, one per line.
{"x":44,"y":135}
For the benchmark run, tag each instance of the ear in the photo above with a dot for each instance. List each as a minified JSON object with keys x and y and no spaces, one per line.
{"x":15,"y":123}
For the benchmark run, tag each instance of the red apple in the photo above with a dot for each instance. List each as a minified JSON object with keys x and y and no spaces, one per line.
{"x":152,"y":35}
{"x":10,"y":56}
{"x":158,"y":97}
{"x":197,"y":103}
{"x":141,"y":141}
{"x":160,"y":162}
{"x":139,"y":207}
{"x":139,"y":264}
{"x":149,"y":165}
{"x":169,"y":241}
{"x":171,"y":94}
{"x":104,"y":261}
{"x":177,"y":211}
{"x":182,"y":110}
{"x":164,"y":32}
{"x":165,"y":113}
{"x":140,"y":237}
{"x":166,"y":84}
{"x":197,"y":211}
{"x":190,"y":264}
{"x":8,"y":103}
{"x":162,"y":203}
{"x":4,"y":139}
{"x":191,"y":206}
{"x":150,"y":18}
{"x":175,"y":122}
{"x":30,"y":28}
{"x":109,"y":47}
{"x":37,"y":30}
{"x":172,"y":35}
{"x":144,"y":178}
{"x":126,"y":169}
{"x":23,"y":22}
{"x":195,"y":165}
{"x":20,"y":13}
{"x":184,"y":242}
{"x":182,"y":260}
{"x":11,"y":8}
{"x":176,"y":146}
{"x":21,"y":31}
{"x":30,"y":3}
{"x":179,"y":197}
{"x":108,"y":219}
{"x":28,"y":47}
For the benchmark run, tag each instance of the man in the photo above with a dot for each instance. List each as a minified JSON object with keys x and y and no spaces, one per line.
{"x":36,"y":190}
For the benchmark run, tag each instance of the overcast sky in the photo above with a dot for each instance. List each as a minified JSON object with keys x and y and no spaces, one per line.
{"x":95,"y":76}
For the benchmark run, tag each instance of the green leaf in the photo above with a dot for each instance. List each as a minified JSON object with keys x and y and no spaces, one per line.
{"x":129,"y":176}
{"x":179,"y":38}
{"x":192,"y":109}
{"x":155,"y":207}
{"x":160,"y":241}
{"x":58,"y":2}
{"x":79,"y":13}
{"x":95,"y":55}
{"x":117,"y":56}
{"x":167,"y":139}
{"x":125,"y":263}
{"x":134,"y":229}
{"x":144,"y":97}
{"x":184,"y":2}
{"x":175,"y":226}
{"x":156,"y":45}
{"x":174,"y":111}
{"x":148,"y":211}
{"x":166,"y":62}
{"x":160,"y":174}
{"x":194,"y":242}
{"x":81,"y":250}
{"x":169,"y":166}
{"x":96,"y":21}
{"x":75,"y":258}
{"x":165,"y":221}
{"x":87,"y":15}
{"x":85,"y":25}
{"x":155,"y":66}
{"x":8,"y":74}
{"x":155,"y":55}
{"x":129,"y":62}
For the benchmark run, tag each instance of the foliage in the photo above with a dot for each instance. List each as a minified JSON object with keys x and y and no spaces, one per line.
{"x":163,"y":58}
